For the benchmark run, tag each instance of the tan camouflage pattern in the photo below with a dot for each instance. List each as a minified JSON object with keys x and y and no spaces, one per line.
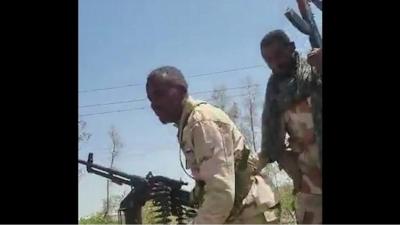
{"x":210,"y":141}
{"x":302,"y":162}
{"x":250,"y":215}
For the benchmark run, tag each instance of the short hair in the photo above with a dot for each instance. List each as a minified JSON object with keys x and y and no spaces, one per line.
{"x":172,"y":74}
{"x":275,"y":36}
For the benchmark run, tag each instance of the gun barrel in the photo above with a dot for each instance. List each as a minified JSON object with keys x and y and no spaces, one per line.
{"x":306,"y":23}
{"x":298,"y":22}
{"x":317,"y":3}
{"x":315,"y":38}
{"x":132,"y":180}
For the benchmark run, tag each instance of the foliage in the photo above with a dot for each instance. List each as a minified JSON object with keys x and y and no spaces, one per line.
{"x":97,"y":218}
{"x":287,"y":204}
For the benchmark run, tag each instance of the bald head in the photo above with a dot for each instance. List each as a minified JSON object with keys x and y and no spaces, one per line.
{"x":168,"y":75}
{"x":166,"y":88}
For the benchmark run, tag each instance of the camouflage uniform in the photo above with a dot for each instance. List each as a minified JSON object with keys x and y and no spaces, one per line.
{"x":291,"y":111}
{"x":308,"y":181}
{"x":213,"y":148}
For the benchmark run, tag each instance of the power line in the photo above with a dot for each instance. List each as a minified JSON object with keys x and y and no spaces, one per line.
{"x":109,"y":88}
{"x":190,"y":76}
{"x":225,"y":89}
{"x":142,"y":108}
{"x":144,"y":99}
{"x":112,"y":103}
{"x":106,"y":112}
{"x":226,"y":71}
{"x":231,"y":96}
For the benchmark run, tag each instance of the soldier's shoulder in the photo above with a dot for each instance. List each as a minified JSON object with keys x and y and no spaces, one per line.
{"x":202,"y":112}
{"x":205,"y":112}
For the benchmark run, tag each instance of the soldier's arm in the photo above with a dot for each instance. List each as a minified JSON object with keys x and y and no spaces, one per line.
{"x":264,"y":158}
{"x":216,"y":162}
{"x":288,"y":162}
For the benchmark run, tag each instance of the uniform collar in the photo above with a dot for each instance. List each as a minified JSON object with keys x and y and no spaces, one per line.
{"x":188,"y":104}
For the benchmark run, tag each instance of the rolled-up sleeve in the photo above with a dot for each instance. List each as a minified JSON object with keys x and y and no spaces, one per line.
{"x":214,"y":155}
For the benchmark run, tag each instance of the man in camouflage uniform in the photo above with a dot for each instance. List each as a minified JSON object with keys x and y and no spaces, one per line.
{"x":293,"y":106}
{"x":227,"y":189}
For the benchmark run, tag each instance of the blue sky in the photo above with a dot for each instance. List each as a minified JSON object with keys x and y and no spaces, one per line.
{"x":120,"y":42}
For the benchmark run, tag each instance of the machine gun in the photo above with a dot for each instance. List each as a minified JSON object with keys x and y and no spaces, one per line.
{"x":165,"y":193}
{"x":306,"y":23}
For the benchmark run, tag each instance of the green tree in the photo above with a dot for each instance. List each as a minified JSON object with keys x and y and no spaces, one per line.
{"x":97,"y":218}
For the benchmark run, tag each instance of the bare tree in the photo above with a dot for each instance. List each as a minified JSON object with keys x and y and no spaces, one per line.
{"x":116,"y":145}
{"x":250,"y":105}
{"x":234,"y":112}
{"x":245,"y":123}
{"x":83,"y":137}
{"x":219,"y":98}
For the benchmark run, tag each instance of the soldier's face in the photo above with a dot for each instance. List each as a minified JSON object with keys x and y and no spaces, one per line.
{"x":278,"y":57}
{"x":166,"y":100}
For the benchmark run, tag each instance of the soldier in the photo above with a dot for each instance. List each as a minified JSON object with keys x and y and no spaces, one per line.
{"x":227,"y":189}
{"x":293,"y":105}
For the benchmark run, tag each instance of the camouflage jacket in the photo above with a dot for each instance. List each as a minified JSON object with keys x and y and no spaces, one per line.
{"x":214,"y":148}
{"x":282,"y":93}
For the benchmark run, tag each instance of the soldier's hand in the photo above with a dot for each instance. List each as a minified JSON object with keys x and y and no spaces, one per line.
{"x":314,"y":58}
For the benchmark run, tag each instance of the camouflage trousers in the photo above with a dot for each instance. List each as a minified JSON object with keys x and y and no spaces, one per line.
{"x":308,"y":208}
